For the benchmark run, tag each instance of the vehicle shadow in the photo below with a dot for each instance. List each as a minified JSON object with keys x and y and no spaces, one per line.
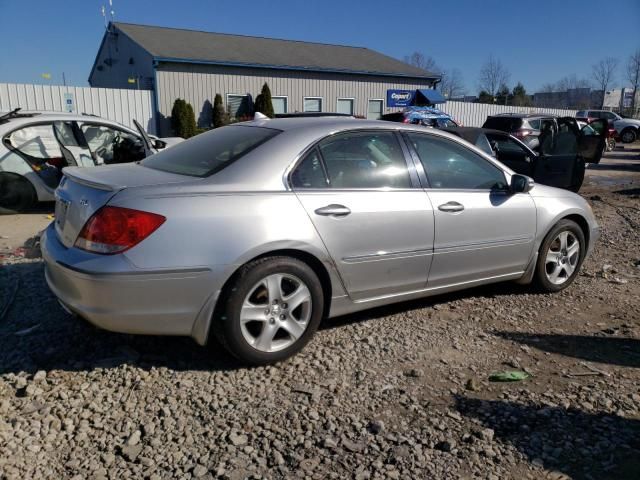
{"x":628,"y":191}
{"x":37,"y":334}
{"x":487,"y":291}
{"x":630,"y":166}
{"x":624,"y":352}
{"x":578,"y":444}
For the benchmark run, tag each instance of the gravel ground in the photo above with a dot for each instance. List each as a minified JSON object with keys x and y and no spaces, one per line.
{"x":399,"y":392}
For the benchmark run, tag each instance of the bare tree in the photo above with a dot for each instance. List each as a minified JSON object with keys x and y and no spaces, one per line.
{"x":571,"y":82}
{"x":452,"y":84}
{"x":633,"y":75}
{"x":548,"y":88}
{"x":493,"y":75}
{"x":418,"y":59}
{"x":603,"y":73}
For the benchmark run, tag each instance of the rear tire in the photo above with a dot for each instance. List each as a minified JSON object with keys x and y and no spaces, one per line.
{"x":628,"y":135}
{"x":16,"y":193}
{"x":560,"y":257}
{"x":269,"y":311}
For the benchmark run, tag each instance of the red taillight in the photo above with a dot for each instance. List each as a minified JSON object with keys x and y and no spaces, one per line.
{"x":115,"y":229}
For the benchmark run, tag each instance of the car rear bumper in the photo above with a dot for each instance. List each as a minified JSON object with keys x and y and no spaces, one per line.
{"x":134,"y":301}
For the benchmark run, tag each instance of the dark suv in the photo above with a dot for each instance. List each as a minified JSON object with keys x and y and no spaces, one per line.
{"x":524,"y":126}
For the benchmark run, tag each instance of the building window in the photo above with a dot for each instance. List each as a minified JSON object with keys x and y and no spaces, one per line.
{"x":312,"y":104}
{"x":345,"y":105}
{"x":238,"y":105}
{"x":280,"y":104}
{"x":374,"y":110}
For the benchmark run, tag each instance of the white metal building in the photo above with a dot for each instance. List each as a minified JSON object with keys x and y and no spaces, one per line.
{"x":302,"y":76}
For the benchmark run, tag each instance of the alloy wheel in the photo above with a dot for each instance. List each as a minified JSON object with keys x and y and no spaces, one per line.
{"x":562,"y":257}
{"x":276,"y":312}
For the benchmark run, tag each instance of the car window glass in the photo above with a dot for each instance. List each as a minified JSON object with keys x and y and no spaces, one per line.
{"x":535,"y":124}
{"x":210,"y":152}
{"x":450,"y":165}
{"x":309,"y":173}
{"x":506,"y":144}
{"x":37,"y":141}
{"x":609,"y":116}
{"x":365,"y":160}
{"x":111,"y":145}
{"x":483,"y":144}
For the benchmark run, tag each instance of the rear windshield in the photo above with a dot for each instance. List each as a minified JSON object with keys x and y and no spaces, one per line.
{"x":506,"y":124}
{"x":210,"y":152}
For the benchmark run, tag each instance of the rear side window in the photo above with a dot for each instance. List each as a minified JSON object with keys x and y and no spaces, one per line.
{"x":535,"y":123}
{"x":310,"y":172}
{"x":210,"y":152}
{"x":365,"y":160}
{"x":36,"y":141}
{"x":506,"y":124}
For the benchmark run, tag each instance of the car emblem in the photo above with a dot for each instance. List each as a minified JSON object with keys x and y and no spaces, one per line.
{"x":84,"y":202}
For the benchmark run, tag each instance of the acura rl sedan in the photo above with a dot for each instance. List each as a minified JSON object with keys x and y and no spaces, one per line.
{"x":253,"y":233}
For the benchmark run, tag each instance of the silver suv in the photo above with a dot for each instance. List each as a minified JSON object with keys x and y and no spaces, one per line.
{"x":628,"y":129}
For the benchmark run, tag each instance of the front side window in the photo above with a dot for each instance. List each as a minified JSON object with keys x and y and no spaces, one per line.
{"x":450,"y":165}
{"x":374,"y":109}
{"x":365,"y":160}
{"x":111,"y":145}
{"x":210,"y":152}
{"x":535,"y":124}
{"x":279,"y":104}
{"x":312,"y":104}
{"x":345,"y":105}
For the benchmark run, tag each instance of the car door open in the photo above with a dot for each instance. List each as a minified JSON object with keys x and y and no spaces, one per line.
{"x":376,"y":223}
{"x":592,"y":140}
{"x":559,"y":164}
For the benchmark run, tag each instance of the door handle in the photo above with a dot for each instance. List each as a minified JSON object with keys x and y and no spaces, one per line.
{"x":333,"y":210}
{"x":451,"y":207}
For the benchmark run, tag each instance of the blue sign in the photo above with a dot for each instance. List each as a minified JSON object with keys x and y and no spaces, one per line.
{"x":400,"y":98}
{"x":68,"y":102}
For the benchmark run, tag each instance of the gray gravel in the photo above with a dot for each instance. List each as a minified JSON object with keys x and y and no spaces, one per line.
{"x":400,"y":392}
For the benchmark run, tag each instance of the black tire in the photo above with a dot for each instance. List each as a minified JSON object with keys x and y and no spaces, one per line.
{"x":226,"y":325}
{"x":541,"y":281}
{"x":16,"y":193}
{"x":628,"y":135}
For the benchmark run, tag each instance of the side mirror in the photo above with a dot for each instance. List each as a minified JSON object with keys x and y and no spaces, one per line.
{"x":159,"y":144}
{"x":521,"y":183}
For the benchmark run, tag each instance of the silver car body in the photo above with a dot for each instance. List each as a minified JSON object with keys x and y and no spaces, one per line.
{"x":13,"y":162}
{"x":396,"y":244}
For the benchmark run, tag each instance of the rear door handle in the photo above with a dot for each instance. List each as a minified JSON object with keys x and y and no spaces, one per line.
{"x":451,"y":207}
{"x":333,"y":210}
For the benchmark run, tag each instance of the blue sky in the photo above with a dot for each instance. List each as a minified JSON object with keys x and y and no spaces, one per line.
{"x":539,"y":42}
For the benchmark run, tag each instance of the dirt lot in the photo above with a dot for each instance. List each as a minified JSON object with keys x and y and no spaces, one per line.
{"x":399,"y":392}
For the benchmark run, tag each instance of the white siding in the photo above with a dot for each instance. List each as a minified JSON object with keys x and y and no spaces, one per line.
{"x":198,"y":84}
{"x":474,"y":114}
{"x":118,"y":105}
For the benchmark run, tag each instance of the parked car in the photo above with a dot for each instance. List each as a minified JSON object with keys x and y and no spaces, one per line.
{"x":561,"y":162}
{"x":628,"y":129}
{"x":425,"y":116}
{"x":255,"y":232}
{"x":524,"y":126}
{"x":36,"y":146}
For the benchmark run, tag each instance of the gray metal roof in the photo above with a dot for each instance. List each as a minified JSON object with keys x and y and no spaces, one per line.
{"x":220,"y":48}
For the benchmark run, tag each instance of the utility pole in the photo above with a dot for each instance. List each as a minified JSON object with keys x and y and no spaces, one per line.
{"x":64,"y":80}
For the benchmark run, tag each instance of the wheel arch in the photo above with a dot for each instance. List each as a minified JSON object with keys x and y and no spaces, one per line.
{"x":308,"y":258}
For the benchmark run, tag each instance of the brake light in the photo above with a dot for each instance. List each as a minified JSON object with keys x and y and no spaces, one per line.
{"x":114,"y":229}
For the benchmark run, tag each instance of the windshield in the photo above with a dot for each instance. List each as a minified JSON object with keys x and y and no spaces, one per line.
{"x":210,"y":152}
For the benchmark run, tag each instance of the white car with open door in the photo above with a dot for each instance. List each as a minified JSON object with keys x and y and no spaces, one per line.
{"x":36,"y":146}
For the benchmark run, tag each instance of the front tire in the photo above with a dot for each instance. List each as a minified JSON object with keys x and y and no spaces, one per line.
{"x":560,"y":256}
{"x":16,"y":193}
{"x":628,"y":135}
{"x":270,"y":310}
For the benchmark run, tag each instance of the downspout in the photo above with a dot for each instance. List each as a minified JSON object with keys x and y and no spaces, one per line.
{"x":155,"y":96}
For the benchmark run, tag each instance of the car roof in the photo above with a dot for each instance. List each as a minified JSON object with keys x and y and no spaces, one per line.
{"x":473,"y":132}
{"x":36,"y":116}
{"x":522,"y":115}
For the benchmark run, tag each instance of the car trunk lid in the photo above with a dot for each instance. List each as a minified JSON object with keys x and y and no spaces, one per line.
{"x":83,"y":191}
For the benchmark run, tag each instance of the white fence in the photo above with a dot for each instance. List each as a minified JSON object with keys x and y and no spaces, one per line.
{"x":120,"y":105}
{"x":474,"y":114}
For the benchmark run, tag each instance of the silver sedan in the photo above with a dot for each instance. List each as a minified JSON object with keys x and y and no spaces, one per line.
{"x":253,"y":233}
